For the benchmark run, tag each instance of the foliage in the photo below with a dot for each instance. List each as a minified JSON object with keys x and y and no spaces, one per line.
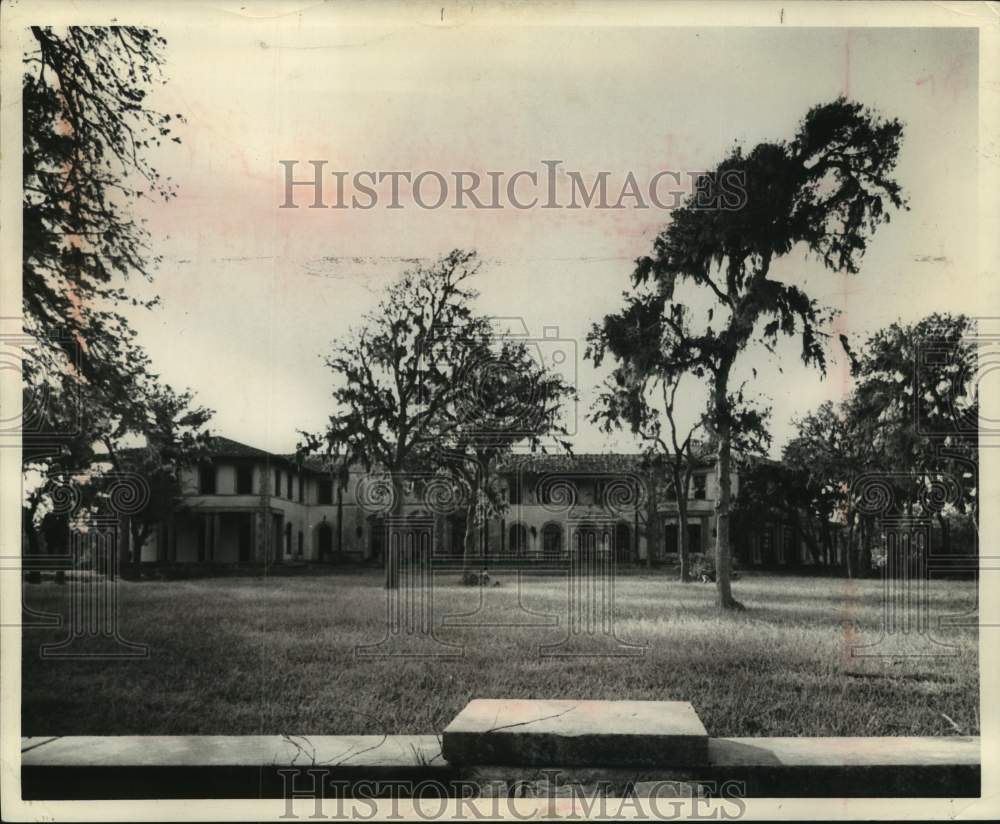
{"x":425,"y":381}
{"x":703,"y":567}
{"x":910,"y":423}
{"x":176,"y":438}
{"x":87,"y":133}
{"x":825,"y":191}
{"x":398,"y":371}
{"x":508,"y":398}
{"x":917,"y":392}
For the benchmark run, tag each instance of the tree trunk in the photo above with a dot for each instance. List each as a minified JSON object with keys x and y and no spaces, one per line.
{"x":723,"y":506}
{"x":945,"y":533}
{"x":392,"y":564}
{"x":866,"y":549}
{"x":468,"y":539}
{"x":470,"y":545}
{"x":139,"y":535}
{"x":683,"y":547}
{"x":810,"y":540}
{"x":849,"y":553}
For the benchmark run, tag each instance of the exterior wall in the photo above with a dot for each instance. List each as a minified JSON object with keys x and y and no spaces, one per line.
{"x":347,"y":529}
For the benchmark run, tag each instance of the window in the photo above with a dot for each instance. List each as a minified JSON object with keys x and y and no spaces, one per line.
{"x":206,"y":479}
{"x":300,"y":538}
{"x":765,"y":548}
{"x":699,"y":487}
{"x":277,"y":482}
{"x":787,"y":545}
{"x":244,"y":480}
{"x":288,"y":486}
{"x":325,"y":491}
{"x":302,"y":490}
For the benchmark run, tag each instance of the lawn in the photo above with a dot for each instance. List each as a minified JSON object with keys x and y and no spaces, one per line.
{"x":276,"y":655}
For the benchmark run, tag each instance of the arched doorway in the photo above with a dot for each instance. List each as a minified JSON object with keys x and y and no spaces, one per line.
{"x":324,"y":542}
{"x":517,"y":540}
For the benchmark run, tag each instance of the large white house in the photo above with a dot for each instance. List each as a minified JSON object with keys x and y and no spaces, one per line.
{"x":246,"y":505}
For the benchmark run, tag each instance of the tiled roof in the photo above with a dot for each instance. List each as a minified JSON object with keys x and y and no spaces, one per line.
{"x":581,"y":462}
{"x":608,"y":462}
{"x":221,"y":447}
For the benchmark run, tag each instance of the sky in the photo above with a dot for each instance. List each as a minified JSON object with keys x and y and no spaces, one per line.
{"x":252,"y":295}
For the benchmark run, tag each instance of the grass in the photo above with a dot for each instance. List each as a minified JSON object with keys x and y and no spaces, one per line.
{"x":276,"y":655}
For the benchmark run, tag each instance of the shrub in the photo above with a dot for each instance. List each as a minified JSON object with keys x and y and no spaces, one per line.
{"x":703,"y":567}
{"x":476,"y":578}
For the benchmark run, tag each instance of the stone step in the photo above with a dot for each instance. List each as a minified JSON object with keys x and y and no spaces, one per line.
{"x":565,"y":733}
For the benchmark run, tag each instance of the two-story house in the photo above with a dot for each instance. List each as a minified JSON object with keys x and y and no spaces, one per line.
{"x":247,"y":505}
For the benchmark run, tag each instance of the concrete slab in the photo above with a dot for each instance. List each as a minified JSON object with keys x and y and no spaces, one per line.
{"x":382,"y":751}
{"x":566,"y":733}
{"x":887,"y":751}
{"x":887,"y":767}
{"x":128,"y":767}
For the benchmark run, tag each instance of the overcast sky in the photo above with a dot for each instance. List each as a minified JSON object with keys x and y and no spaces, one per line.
{"x":252,"y":295}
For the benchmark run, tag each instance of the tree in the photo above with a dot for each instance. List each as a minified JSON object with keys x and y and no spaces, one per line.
{"x":399,"y":374}
{"x":825,"y":191}
{"x":87,"y":132}
{"x":917,"y":395}
{"x":641,"y":392}
{"x":824,"y":458}
{"x":912,"y":419}
{"x":508,"y":398}
{"x":175,"y":439}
